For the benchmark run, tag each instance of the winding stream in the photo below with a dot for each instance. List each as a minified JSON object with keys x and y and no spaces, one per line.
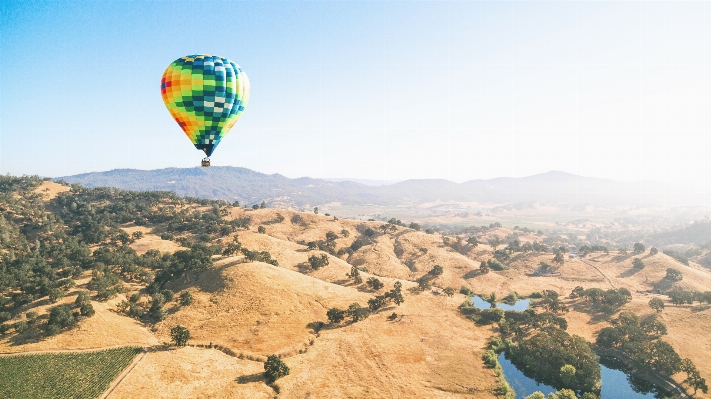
{"x":616,"y":381}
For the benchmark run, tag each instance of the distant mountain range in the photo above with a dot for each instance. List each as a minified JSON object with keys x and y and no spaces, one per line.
{"x":248,"y":186}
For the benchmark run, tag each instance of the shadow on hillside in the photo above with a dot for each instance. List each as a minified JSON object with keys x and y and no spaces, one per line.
{"x":629,"y":272}
{"x":209,"y":280}
{"x":700,"y":308}
{"x":663,"y":285}
{"x":471,"y":274}
{"x":246,"y":379}
{"x":596,"y":316}
{"x":621,"y":258}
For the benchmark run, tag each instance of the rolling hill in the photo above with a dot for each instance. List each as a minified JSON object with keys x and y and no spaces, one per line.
{"x":247,"y":186}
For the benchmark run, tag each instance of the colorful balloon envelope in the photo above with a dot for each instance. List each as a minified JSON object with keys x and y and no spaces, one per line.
{"x":206,"y":95}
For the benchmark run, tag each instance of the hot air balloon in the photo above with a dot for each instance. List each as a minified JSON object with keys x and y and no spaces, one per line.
{"x":206,"y":95}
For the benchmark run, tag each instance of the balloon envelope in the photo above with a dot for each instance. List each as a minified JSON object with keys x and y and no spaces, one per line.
{"x":206,"y":95}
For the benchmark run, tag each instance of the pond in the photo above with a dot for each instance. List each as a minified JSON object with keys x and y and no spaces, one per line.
{"x":521,"y":304}
{"x":616,"y":383}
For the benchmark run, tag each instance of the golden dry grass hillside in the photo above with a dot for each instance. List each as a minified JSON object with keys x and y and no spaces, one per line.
{"x":422,"y":348}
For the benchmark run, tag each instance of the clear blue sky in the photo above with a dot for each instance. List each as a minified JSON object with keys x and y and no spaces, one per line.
{"x":375,"y":90}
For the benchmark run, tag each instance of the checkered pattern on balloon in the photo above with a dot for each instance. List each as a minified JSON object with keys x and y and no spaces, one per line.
{"x":206,"y":95}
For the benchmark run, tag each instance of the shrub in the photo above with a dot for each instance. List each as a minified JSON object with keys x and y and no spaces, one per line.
{"x":21,"y":326}
{"x":185,"y":299}
{"x":466,"y":291}
{"x":168,"y":295}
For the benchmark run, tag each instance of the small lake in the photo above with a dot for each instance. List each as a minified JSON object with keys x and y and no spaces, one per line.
{"x":615,"y":383}
{"x":520,"y":305}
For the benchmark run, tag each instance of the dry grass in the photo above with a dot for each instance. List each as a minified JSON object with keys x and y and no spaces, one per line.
{"x":429,"y":351}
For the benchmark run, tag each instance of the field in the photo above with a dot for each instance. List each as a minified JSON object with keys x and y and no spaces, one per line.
{"x":62,"y":375}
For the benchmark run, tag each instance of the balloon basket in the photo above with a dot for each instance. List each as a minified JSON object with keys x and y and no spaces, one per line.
{"x":205,"y":162}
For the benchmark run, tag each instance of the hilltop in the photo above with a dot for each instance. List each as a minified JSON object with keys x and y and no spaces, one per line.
{"x":255,"y":292}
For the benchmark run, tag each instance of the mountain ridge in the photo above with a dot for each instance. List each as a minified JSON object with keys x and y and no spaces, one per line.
{"x":248,"y":186}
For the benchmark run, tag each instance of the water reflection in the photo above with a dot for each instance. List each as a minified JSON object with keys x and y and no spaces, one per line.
{"x":616,"y":383}
{"x":521,"y":304}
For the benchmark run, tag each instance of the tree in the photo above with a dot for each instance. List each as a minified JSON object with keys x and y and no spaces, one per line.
{"x":355,"y":275}
{"x":357,"y":312}
{"x":536,"y":395}
{"x":274,"y":368}
{"x":473,"y":241}
{"x":82,"y":297}
{"x":179,"y":335}
{"x":638,"y":248}
{"x":255,"y":207}
{"x":60,"y":317}
{"x":653,"y":251}
{"x":345,"y":233}
{"x":559,"y":258}
{"x":261,"y":230}
{"x":185,"y":299}
{"x":317,"y":262}
{"x":262,"y":205}
{"x":331,"y":236}
{"x":86,"y":309}
{"x":637,"y":263}
{"x":235,"y":204}
{"x":484,"y":267}
{"x":335,"y":315}
{"x":168,"y":295}
{"x":137,"y":235}
{"x":495,"y":242}
{"x":316,"y":210}
{"x":423,"y":284}
{"x":437,"y":270}
{"x":415,"y":226}
{"x":657,"y":304}
{"x":374,"y":283}
{"x":563,"y":394}
{"x":673,"y":275}
{"x":449,"y":291}
{"x":567,"y":374}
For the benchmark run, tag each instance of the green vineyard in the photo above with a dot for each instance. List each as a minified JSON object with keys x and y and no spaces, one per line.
{"x":81,"y":375}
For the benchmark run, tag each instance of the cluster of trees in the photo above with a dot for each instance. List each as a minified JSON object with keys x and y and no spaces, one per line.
{"x":355,"y":311}
{"x":539,"y":346}
{"x":681,"y":297}
{"x":490,"y":264}
{"x":317,"y":262}
{"x":606,"y":301}
{"x":516,"y":246}
{"x":584,"y":250}
{"x":394,"y":295}
{"x":639,"y":338}
{"x":62,"y":317}
{"x":259,"y":256}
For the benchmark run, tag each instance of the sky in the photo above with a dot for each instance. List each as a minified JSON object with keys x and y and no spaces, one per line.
{"x":384,"y":90}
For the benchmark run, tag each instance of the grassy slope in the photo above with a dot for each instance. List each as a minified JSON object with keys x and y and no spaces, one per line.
{"x":430,"y":351}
